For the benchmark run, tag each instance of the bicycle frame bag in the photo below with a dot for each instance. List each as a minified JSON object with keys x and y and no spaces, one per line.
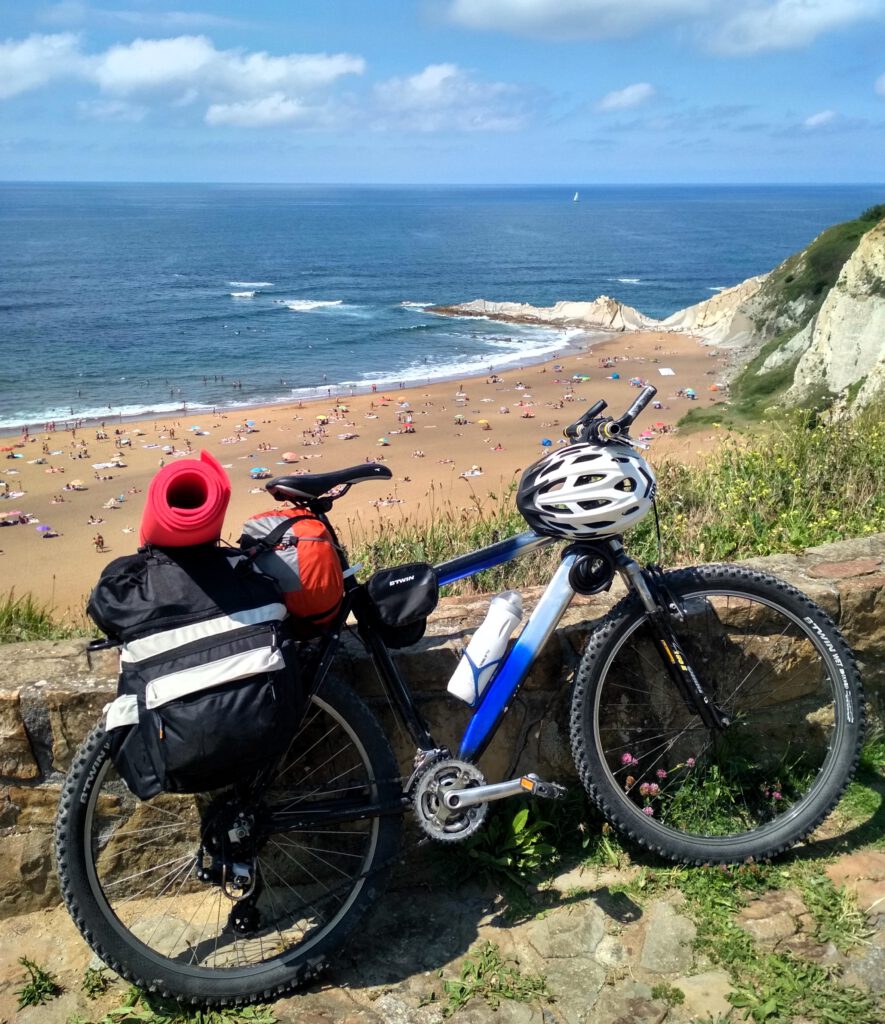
{"x":399,"y":601}
{"x":296,"y":549}
{"x":208,"y":691}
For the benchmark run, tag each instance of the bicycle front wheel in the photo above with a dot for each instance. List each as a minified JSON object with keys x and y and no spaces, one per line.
{"x":775,"y":663}
{"x":160,"y":889}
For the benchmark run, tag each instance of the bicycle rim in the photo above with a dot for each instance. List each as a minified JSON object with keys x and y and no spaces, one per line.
{"x":765,"y":781}
{"x":141,"y":859}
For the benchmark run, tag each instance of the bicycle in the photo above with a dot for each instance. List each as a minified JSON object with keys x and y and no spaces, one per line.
{"x":716,"y":717}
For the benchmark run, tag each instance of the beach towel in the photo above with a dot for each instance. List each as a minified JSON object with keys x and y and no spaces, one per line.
{"x":186,"y":502}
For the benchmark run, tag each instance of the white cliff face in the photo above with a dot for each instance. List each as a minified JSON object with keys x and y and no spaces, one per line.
{"x":721,"y":318}
{"x":847,"y":337}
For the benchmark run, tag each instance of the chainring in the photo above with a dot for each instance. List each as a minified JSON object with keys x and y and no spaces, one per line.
{"x":437,"y":820}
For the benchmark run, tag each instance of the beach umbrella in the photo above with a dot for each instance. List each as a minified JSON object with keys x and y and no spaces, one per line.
{"x":259,"y":469}
{"x":383,"y":440}
{"x":250,"y":423}
{"x":546,"y":442}
{"x":690,"y":391}
{"x":616,"y":376}
{"x":290,"y":457}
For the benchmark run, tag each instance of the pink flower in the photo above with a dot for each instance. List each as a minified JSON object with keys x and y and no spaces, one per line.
{"x":661,"y":774}
{"x":776,"y":795}
{"x":690,"y":762}
{"x":645,"y":788}
{"x":648,"y":810}
{"x":653,"y":789}
{"x":626,"y":759}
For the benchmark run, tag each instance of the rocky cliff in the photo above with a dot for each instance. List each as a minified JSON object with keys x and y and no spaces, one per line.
{"x":603,"y":313}
{"x":810,"y":332}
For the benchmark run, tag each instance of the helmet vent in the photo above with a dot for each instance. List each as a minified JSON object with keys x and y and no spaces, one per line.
{"x":593,"y":503}
{"x":591,"y":456}
{"x":627,"y":484}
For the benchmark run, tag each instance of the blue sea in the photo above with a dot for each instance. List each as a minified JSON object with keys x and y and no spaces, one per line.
{"x":136,"y":299}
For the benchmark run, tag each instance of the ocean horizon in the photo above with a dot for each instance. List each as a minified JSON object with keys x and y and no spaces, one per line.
{"x":147,"y":299}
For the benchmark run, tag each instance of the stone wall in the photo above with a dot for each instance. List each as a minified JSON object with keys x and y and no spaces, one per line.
{"x":52,"y":693}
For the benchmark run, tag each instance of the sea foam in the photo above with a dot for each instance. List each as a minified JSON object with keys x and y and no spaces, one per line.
{"x":307,"y":305}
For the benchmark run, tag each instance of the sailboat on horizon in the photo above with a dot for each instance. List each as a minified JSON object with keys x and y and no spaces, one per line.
{"x":576,"y":198}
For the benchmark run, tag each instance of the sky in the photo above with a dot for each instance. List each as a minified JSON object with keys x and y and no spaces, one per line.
{"x":444,"y":91}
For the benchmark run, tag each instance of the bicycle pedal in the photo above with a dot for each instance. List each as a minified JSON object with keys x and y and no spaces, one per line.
{"x":540,"y":788}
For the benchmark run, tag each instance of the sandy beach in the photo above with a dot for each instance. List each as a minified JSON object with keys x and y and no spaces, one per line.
{"x":449,"y":437}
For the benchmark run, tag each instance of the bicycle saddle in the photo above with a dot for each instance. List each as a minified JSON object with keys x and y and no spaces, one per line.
{"x":312,"y":485}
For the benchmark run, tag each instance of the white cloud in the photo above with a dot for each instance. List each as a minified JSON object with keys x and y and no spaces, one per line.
{"x":880,"y":85}
{"x":274,"y":109}
{"x":111,"y":110}
{"x":444,"y":97}
{"x":789,"y":24}
{"x":567,"y":19}
{"x":237,"y":87}
{"x":75,"y":12}
{"x":35,"y":61}
{"x":192,"y":62}
{"x":630,"y":96}
{"x":154,"y":63}
{"x":818,"y":120}
{"x":735,"y":27}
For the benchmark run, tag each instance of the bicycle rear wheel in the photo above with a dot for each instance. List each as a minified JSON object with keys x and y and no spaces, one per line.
{"x":775,"y":662}
{"x":129,"y":870}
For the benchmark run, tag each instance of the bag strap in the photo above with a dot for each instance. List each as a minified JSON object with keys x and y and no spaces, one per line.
{"x":269,"y":542}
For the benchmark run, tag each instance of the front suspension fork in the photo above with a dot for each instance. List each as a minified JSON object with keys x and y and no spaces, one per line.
{"x":660,"y":610}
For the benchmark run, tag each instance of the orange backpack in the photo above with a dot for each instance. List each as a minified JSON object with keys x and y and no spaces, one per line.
{"x":303,"y":558}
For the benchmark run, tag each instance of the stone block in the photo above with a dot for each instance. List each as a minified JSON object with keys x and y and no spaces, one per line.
{"x":573,"y":931}
{"x":667,"y":948}
{"x":706,"y":995}
{"x":27,"y":879}
{"x":52,"y":661}
{"x":73,"y":712}
{"x":16,"y":756}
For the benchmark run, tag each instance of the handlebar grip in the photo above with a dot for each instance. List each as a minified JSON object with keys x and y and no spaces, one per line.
{"x":645,"y":396}
{"x":594,"y":410}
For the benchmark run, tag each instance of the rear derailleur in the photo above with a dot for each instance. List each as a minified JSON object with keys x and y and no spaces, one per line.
{"x":228,"y":858}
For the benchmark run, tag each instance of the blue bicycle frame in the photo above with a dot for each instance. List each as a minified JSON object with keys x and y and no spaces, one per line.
{"x":495,"y":699}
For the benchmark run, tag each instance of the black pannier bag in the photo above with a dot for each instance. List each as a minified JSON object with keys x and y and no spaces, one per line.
{"x":208,"y":690}
{"x":399,"y":601}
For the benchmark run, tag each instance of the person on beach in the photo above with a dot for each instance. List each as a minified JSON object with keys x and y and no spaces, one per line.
{"x":98,"y":541}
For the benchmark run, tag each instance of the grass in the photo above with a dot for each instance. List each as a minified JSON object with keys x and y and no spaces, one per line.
{"x":486,"y":975}
{"x":140,"y":1008}
{"x":793,"y":484}
{"x":24,"y":618}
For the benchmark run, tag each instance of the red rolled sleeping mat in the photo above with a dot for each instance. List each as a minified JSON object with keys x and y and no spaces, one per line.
{"x":186,"y":502}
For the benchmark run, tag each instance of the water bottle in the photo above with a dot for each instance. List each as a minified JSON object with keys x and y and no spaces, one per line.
{"x":484,"y":652}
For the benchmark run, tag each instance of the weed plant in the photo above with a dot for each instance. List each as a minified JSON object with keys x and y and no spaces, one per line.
{"x":139,"y":1007}
{"x":40,"y":986}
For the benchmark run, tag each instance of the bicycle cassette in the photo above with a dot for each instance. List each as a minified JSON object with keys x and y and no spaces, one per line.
{"x":436,"y":819}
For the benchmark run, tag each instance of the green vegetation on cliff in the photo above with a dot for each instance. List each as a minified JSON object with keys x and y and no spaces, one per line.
{"x":792,"y":294}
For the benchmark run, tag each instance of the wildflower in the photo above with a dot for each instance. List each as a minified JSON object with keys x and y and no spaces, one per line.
{"x":649,"y":810}
{"x":776,"y":795}
{"x":661,"y":774}
{"x":645,"y":788}
{"x":690,"y":762}
{"x":626,"y":759}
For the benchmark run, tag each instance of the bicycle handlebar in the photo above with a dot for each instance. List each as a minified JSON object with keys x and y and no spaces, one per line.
{"x":590,"y":427}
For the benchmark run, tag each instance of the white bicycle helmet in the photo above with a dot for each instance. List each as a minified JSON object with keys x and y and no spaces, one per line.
{"x":586,"y":491}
